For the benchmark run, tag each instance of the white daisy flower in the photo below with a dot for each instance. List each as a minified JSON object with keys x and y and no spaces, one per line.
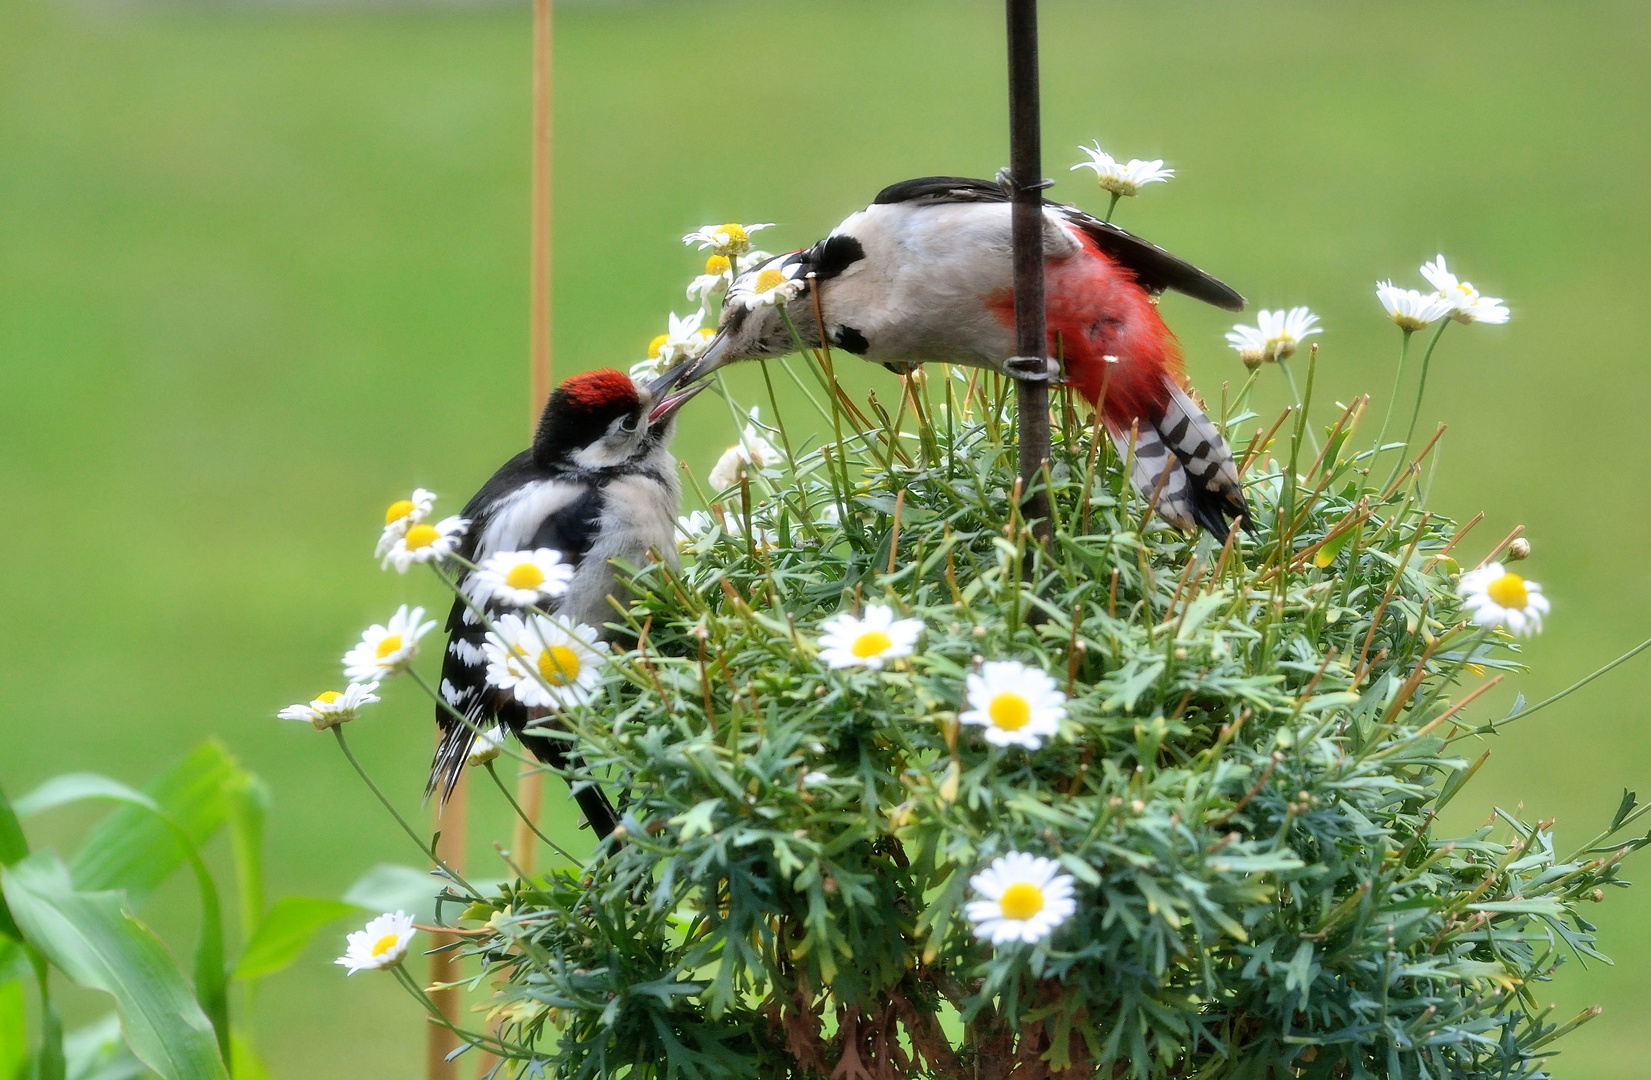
{"x":1409,"y":309}
{"x":1024,"y":897}
{"x":773,"y":284}
{"x":383,"y":944}
{"x":520,"y":578}
{"x":870,"y":641}
{"x":1275,"y":336}
{"x":387,"y":650}
{"x":685,"y":340}
{"x":402,"y":515}
{"x":718,"y":276}
{"x":332,"y":708}
{"x":729,"y":239}
{"x":1123,"y":178}
{"x":694,"y":526}
{"x":486,"y":746}
{"x":753,"y":450}
{"x":1467,"y":306}
{"x":1016,"y":704}
{"x":423,"y":542}
{"x":1496,"y":597}
{"x":544,"y":663}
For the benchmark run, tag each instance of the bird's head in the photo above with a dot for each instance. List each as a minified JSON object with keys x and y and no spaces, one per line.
{"x":752,"y":325}
{"x":603,"y":418}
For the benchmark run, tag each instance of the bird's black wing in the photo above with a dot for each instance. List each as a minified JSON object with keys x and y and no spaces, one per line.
{"x":1155,"y":268}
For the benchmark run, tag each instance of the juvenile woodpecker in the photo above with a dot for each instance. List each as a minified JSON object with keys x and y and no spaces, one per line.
{"x":598,"y":484}
{"x":925,"y":274}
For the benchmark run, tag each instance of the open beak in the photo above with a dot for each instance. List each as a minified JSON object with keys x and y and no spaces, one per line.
{"x":667,"y":406}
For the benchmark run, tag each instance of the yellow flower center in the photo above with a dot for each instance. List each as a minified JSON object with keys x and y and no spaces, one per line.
{"x":1021,"y":901}
{"x":388,"y":645}
{"x":657,"y":344}
{"x":1010,"y":712}
{"x":1509,"y":591}
{"x":768,"y":279}
{"x":559,"y":665}
{"x":736,"y":234}
{"x":398,"y":510}
{"x":871,"y":643}
{"x":525,"y":576}
{"x":716,"y":264}
{"x":707,"y":333}
{"x":422,"y":536}
{"x":328,"y":697}
{"x":385,"y":944}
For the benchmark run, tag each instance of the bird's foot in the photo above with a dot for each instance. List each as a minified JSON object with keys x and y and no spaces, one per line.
{"x":1042,"y":369}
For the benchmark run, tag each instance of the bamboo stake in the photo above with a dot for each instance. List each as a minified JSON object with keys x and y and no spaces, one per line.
{"x":530,"y":787}
{"x":440,"y":1041}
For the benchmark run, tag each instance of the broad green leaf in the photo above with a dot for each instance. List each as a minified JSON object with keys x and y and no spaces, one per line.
{"x":211,"y":977}
{"x":97,"y":1052}
{"x":392,"y":887}
{"x":130,"y":850}
{"x":285,"y":931}
{"x":97,"y":942}
{"x":14,"y":1030}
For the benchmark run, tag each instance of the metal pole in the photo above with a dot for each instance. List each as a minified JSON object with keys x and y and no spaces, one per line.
{"x":1026,"y":177}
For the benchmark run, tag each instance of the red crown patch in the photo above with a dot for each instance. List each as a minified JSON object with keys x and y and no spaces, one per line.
{"x":601,"y":390}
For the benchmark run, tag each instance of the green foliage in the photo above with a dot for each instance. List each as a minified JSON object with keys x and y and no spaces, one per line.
{"x":94,"y":939}
{"x":79,"y":918}
{"x":1258,"y":742}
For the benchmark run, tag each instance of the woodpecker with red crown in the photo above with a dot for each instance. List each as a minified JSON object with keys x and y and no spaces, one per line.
{"x":925,"y":274}
{"x":597,"y":484}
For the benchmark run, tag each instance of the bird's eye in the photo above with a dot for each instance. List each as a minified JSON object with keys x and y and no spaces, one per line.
{"x":628,"y":424}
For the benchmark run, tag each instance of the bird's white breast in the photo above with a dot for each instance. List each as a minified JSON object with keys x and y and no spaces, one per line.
{"x":933,"y":279}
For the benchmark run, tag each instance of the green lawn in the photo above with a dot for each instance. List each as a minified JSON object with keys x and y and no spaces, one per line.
{"x":263,"y":270}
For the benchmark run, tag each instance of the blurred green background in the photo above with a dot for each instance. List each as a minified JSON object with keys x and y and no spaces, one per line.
{"x":264,"y":269}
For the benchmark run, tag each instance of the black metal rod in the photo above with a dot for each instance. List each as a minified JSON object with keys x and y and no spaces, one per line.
{"x":1026,"y":177}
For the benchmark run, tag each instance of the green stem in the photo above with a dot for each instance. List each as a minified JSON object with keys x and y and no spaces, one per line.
{"x":491,"y":1044}
{"x":1392,"y":399}
{"x":1111,"y":206}
{"x":465,"y":721}
{"x":1295,"y":395}
{"x":429,"y":850}
{"x":1421,"y":388}
{"x":1574,"y":687}
{"x":516,"y":806}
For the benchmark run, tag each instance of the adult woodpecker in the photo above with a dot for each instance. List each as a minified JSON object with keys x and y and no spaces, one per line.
{"x":925,"y":274}
{"x":597,"y":484}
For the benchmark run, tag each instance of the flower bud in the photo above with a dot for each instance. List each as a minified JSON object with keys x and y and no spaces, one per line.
{"x":1519,"y":549}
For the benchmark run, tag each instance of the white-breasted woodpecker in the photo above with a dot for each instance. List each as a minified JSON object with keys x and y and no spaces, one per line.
{"x":924,"y":274}
{"x":598,"y":484}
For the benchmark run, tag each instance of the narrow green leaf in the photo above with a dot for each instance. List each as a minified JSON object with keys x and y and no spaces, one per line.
{"x":248,"y":807}
{"x":13,"y":846}
{"x":14,"y":1030}
{"x":48,"y":1062}
{"x":98,"y":943}
{"x":285,"y":932}
{"x":247,"y":1064}
{"x":130,"y":850}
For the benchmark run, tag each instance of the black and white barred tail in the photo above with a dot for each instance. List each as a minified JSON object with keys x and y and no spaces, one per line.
{"x":1183,"y":459}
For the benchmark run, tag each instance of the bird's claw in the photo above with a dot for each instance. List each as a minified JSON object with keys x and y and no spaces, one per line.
{"x":1033,"y":369}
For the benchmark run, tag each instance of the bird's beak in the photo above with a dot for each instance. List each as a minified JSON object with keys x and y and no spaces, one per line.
{"x":666,"y":407}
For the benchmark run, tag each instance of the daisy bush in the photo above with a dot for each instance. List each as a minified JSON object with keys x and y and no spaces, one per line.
{"x":904,"y":793}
